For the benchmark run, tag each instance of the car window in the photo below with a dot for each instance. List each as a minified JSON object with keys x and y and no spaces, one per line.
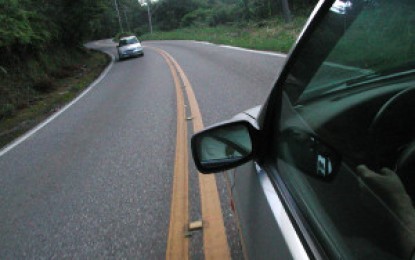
{"x":128,"y":41}
{"x":368,"y":49}
{"x":123,"y":42}
{"x":346,"y":136}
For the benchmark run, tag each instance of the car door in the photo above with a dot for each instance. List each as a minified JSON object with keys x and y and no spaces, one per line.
{"x":333,"y":149}
{"x":336,"y":129}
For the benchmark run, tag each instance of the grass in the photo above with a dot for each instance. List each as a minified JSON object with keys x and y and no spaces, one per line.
{"x":271,"y":35}
{"x":32,"y":92}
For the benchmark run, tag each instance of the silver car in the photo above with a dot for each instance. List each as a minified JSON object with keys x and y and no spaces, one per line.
{"x":129,"y":47}
{"x":326,"y":167}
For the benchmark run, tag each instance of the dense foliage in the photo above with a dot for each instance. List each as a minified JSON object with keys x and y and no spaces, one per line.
{"x":40,"y":39}
{"x":39,"y":45}
{"x":172,"y":14}
{"x":32,"y":25}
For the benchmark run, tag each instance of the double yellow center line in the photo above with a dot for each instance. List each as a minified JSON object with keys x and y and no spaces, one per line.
{"x":215,"y":243}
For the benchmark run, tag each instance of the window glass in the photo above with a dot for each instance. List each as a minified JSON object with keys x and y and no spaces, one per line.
{"x":128,"y":41}
{"x":371,"y":47}
{"x":346,"y":139}
{"x":132,"y":40}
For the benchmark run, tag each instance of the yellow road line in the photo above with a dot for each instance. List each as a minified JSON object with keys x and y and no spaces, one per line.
{"x":214,"y":236}
{"x":215,"y":242}
{"x":177,"y":243}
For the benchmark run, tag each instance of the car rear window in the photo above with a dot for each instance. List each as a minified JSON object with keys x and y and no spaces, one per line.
{"x":128,"y":41}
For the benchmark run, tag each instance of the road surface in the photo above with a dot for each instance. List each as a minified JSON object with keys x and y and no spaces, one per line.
{"x":96,"y":181}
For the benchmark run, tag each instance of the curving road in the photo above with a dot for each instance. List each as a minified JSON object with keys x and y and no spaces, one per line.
{"x":96,"y":181}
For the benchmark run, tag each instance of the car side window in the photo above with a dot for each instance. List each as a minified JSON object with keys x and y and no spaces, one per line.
{"x":345,"y":141}
{"x":123,"y":42}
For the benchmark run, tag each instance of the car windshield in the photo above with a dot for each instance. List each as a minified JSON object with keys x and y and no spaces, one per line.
{"x":346,"y":143}
{"x":128,"y":41}
{"x":365,"y":48}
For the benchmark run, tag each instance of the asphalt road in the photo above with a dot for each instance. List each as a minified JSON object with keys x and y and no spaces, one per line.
{"x":95,"y":182}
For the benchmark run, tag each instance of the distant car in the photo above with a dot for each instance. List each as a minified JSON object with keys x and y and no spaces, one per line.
{"x":129,"y":47}
{"x":311,"y":182}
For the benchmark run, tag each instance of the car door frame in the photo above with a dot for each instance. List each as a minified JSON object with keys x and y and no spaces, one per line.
{"x":287,"y":231}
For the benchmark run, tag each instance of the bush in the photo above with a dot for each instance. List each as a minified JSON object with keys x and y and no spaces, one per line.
{"x":61,"y":73}
{"x":200,"y":16}
{"x":7,"y":110}
{"x":222,"y":14}
{"x":44,"y":85}
{"x":66,"y":71}
{"x":122,"y":34}
{"x":141,"y":30}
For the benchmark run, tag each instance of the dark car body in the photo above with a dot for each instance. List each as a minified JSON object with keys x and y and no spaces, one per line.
{"x":325,"y":168}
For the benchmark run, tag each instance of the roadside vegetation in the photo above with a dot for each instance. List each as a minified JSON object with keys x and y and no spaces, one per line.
{"x":271,"y":35}
{"x":39,"y":88}
{"x":43,"y":63}
{"x":256,"y":24}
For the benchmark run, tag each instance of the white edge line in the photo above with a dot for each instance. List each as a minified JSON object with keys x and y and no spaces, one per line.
{"x":282,"y":55}
{"x":58,"y":113}
{"x":202,"y":42}
{"x":254,"y":51}
{"x":280,"y":214}
{"x":345,"y":67}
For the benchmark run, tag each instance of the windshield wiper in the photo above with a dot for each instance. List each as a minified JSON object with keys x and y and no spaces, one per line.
{"x":377,"y":77}
{"x":361,"y":80}
{"x":369,"y":79}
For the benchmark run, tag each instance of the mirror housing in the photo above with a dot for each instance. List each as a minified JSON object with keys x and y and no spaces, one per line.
{"x":224,"y":146}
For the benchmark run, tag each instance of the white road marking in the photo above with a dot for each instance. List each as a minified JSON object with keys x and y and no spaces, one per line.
{"x":201,"y":42}
{"x":282,"y":55}
{"x":345,"y":67}
{"x":58,"y":113}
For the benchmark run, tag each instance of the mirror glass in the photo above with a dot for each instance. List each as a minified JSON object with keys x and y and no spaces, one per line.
{"x":223,"y":145}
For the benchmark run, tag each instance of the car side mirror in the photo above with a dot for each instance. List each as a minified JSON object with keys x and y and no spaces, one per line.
{"x":223,"y":146}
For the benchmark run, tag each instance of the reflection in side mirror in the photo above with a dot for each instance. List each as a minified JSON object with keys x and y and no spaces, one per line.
{"x":222,"y":147}
{"x":307,"y":153}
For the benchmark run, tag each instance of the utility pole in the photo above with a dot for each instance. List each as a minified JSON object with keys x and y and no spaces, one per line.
{"x":119,"y":17}
{"x":286,"y":11}
{"x":147,"y":2}
{"x":149,"y":16}
{"x":126,"y":19}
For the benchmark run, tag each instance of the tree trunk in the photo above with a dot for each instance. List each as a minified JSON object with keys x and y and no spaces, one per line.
{"x":286,"y":11}
{"x":246,"y":9}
